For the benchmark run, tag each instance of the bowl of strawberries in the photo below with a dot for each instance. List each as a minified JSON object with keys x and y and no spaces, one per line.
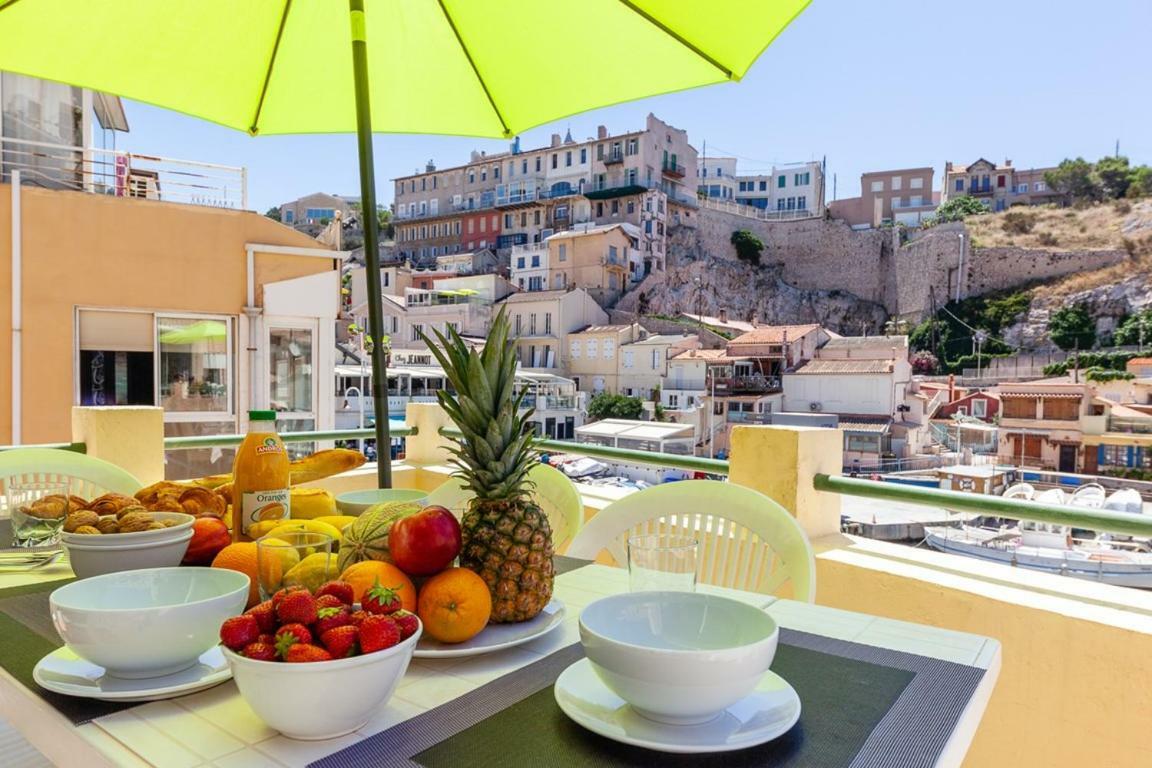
{"x":347,"y":659}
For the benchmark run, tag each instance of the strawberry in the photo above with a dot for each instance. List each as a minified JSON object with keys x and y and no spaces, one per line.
{"x":265,"y":616}
{"x":297,"y":607}
{"x":238,"y":631}
{"x":260,"y":651}
{"x":302,"y":652}
{"x":356,"y":617}
{"x":341,"y":641}
{"x":328,"y":601}
{"x":341,"y":590}
{"x":291,"y":634}
{"x":280,"y":594}
{"x":378,"y":633}
{"x":380,"y":599}
{"x":266,"y":637}
{"x":330,"y":618}
{"x":407,"y":622}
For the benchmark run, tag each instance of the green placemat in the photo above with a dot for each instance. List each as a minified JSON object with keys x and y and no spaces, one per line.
{"x":843,"y":700}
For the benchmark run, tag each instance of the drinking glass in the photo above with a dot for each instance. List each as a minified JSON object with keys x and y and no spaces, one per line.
{"x":658,"y":562}
{"x":38,"y":510}
{"x":298,"y":558}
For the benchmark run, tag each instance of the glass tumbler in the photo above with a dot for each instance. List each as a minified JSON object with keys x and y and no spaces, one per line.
{"x":38,"y":510}
{"x":298,"y":558}
{"x":658,"y":562}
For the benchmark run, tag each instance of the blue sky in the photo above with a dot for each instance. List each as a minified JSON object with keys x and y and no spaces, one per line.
{"x":869,"y":84}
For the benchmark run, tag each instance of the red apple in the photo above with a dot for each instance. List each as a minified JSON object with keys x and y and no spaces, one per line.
{"x":209,"y":536}
{"x":426,"y":542}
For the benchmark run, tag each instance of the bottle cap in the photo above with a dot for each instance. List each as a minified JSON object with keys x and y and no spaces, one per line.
{"x":262,"y":415}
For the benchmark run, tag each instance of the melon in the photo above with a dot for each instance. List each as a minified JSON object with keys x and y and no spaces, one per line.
{"x":367,"y":538}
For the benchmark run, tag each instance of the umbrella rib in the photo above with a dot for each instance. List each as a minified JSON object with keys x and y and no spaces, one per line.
{"x":8,"y":4}
{"x":678,"y":38}
{"x":255,"y":128}
{"x":475,"y":69}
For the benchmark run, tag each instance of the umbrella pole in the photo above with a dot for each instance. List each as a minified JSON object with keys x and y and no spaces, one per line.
{"x":371,"y":243}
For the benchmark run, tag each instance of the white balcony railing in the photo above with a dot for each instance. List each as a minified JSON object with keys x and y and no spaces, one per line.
{"x":752,"y":212}
{"x":124,"y":174}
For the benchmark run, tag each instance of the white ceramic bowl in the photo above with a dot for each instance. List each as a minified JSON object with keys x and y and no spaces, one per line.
{"x":148,"y":623}
{"x":321,"y":699}
{"x":356,"y":502}
{"x":678,"y":657}
{"x":183,"y":525}
{"x":96,"y":560}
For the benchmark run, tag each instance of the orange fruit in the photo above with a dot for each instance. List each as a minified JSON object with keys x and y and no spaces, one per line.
{"x":241,"y":556}
{"x":454,"y":605}
{"x":363,"y":575}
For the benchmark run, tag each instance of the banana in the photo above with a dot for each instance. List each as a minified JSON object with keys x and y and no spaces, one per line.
{"x":312,"y":526}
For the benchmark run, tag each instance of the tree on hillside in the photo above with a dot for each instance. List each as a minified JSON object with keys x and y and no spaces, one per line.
{"x":273,"y":213}
{"x":1114,"y":175}
{"x":1136,"y":329}
{"x":609,"y":406}
{"x":959,"y":208}
{"x":748,"y":246}
{"x":1141,"y":184}
{"x":1075,"y":180}
{"x":1072,"y":327}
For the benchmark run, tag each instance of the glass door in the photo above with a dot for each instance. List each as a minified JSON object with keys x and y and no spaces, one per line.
{"x":291,"y":383}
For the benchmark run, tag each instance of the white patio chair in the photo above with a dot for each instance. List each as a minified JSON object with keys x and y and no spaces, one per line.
{"x":746,"y":540}
{"x":87,"y":477}
{"x":554,"y":493}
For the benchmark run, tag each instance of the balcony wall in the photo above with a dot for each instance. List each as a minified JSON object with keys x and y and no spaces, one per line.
{"x":1076,"y":655}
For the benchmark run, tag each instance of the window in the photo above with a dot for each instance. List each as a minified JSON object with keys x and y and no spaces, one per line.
{"x":195,"y":364}
{"x":590,"y":348}
{"x":916,"y":183}
{"x":562,"y":252}
{"x":861,"y":443}
{"x":496,"y":172}
{"x":1018,"y":408}
{"x":517,"y":323}
{"x":633,"y":147}
{"x":483,"y":223}
{"x":548,"y":322}
{"x":538,"y":164}
{"x":288,"y":214}
{"x":791,"y":203}
{"x":574,"y":348}
{"x":471,"y":177}
{"x":507,"y":221}
{"x":631,"y":207}
{"x":615,"y":207}
{"x":568,"y":159}
{"x":524,"y":218}
{"x":655,"y":359}
{"x":1021,"y":189}
{"x":599,"y":209}
{"x":628,"y":359}
{"x":483,"y":174}
{"x":980,"y":408}
{"x":536,"y":217}
{"x":583,"y":155}
{"x":319,"y":213}
{"x":1040,"y":186}
{"x":1001,"y":181}
{"x":897,"y":202}
{"x":524,"y":167}
{"x":801,"y":179}
{"x":673,"y":401}
{"x":116,"y":356}
{"x":877,"y":186}
{"x":613,"y":255}
{"x":763,"y":186}
{"x":781,"y":181}
{"x":535,"y":259}
{"x":555,"y":159}
{"x":1061,"y":409}
{"x":780,"y":204}
{"x":532,"y":324}
{"x":896,"y":181}
{"x":802,"y":203}
{"x":609,"y":349}
{"x":471,"y":225}
{"x":959,"y":185}
{"x":519,"y":262}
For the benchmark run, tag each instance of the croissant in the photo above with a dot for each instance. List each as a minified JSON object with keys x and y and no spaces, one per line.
{"x":151,"y":494}
{"x":166,"y":503}
{"x":76,"y":503}
{"x":201,"y":501}
{"x":111,"y":503}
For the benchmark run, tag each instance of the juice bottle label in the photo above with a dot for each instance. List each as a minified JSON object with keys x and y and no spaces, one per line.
{"x":259,"y":506}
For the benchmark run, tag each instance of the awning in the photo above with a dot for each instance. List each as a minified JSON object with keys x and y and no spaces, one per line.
{"x":1042,"y":395}
{"x":874,"y":427}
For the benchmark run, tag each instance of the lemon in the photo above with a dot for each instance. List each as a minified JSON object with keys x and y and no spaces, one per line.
{"x":339,"y":522}
{"x":288,"y":555}
{"x":311,"y":503}
{"x":312,"y":571}
{"x":311,"y":526}
{"x":262,"y":528}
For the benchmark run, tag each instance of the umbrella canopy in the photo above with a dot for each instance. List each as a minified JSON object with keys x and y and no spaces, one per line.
{"x":202,"y":330}
{"x":469,"y":67}
{"x":466,"y":67}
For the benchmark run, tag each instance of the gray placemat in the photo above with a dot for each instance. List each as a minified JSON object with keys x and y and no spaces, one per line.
{"x":919,"y":702}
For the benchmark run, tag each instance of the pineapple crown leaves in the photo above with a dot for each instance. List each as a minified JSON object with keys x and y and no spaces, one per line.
{"x":496,"y":449}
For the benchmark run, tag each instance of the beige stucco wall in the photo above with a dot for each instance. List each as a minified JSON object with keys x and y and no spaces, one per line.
{"x":94,"y":251}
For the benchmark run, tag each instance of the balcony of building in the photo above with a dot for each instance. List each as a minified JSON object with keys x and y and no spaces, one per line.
{"x":617,"y":186}
{"x":116,"y":173}
{"x":980,"y":189}
{"x":520,"y":194}
{"x":746,"y":384}
{"x":613,"y":156}
{"x":671,"y":169}
{"x":1074,"y":652}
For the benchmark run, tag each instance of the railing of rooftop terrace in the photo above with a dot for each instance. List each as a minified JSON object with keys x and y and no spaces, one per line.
{"x":753,"y":212}
{"x":225,"y":441}
{"x":125,"y":174}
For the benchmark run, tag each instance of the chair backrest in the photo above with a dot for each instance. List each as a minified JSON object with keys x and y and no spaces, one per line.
{"x":554,"y":493}
{"x":87,"y":477}
{"x":746,"y":540}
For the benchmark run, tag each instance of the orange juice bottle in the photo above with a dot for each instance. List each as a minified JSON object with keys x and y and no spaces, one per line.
{"x":260,"y":476}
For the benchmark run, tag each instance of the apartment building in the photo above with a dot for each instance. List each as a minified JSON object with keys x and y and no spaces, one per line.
{"x":541,"y":321}
{"x":997,"y":186}
{"x":316,"y":209}
{"x":1041,"y":423}
{"x":795,"y":188}
{"x":642,"y":365}
{"x":604,"y":260}
{"x":522,"y":196}
{"x":902,"y":196}
{"x":478,"y":262}
{"x":593,"y":356}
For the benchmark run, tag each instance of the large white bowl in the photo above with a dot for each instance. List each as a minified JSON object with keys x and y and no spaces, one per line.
{"x":147,"y":623}
{"x":321,"y":699}
{"x":357,"y":502}
{"x":96,"y":560}
{"x":678,"y":657}
{"x":183,"y":525}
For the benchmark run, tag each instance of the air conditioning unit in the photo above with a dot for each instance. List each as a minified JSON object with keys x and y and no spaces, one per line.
{"x":815,"y":407}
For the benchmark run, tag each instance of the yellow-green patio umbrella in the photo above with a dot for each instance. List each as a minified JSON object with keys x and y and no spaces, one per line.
{"x":466,"y":67}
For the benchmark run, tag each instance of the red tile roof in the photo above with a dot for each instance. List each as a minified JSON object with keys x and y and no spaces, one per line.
{"x":774,"y":334}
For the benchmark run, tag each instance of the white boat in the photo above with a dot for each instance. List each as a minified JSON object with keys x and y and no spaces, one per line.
{"x":1125,"y":500}
{"x":1024,"y":491}
{"x":1090,"y":495}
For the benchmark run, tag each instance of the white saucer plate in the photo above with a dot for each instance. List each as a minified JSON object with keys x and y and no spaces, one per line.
{"x":495,"y":637}
{"x":62,"y":671}
{"x":767,"y":713}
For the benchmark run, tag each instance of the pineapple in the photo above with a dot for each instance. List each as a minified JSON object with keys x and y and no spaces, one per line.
{"x":507,"y":539}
